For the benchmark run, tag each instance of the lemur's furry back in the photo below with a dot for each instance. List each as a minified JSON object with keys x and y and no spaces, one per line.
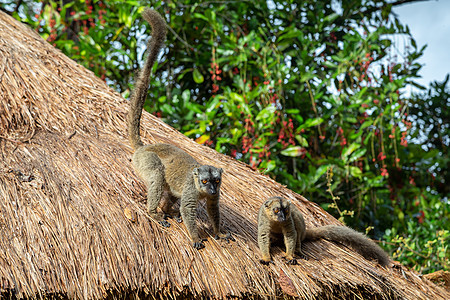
{"x":137,"y":99}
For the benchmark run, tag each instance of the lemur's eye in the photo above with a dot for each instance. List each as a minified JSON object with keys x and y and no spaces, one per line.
{"x":204,"y":181}
{"x":217,"y":180}
{"x":276,"y":210}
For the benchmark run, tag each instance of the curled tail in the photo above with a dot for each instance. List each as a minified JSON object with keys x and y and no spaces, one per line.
{"x":352,"y":238}
{"x":139,"y":94}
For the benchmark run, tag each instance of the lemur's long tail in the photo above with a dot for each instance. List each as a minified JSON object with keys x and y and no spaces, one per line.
{"x":137,"y":99}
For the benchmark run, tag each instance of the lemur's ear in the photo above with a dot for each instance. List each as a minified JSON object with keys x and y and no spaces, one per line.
{"x":268,"y":203}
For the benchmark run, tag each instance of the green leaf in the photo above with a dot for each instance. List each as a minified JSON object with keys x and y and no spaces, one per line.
{"x":303,"y":142}
{"x":357,"y":154}
{"x":330,"y":65}
{"x":355,"y":172}
{"x":270,"y":166}
{"x":224,"y":52}
{"x":179,"y":76}
{"x":186,"y":95}
{"x":331,"y":18}
{"x":366,"y":124}
{"x":193,"y":131}
{"x":266,"y":113}
{"x":236,"y":97}
{"x":194,"y":107}
{"x":293,"y":151}
{"x":291,"y":33}
{"x":349,"y":150}
{"x":237,"y":133}
{"x":312,"y":122}
{"x":350,"y":119}
{"x":211,"y":15}
{"x":198,"y":77}
{"x":200,"y":16}
{"x":319,"y":172}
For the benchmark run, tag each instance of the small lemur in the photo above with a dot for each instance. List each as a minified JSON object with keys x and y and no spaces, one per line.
{"x":165,"y":167}
{"x":279,"y":217}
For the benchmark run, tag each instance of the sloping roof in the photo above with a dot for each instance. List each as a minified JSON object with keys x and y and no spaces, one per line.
{"x":66,"y":178}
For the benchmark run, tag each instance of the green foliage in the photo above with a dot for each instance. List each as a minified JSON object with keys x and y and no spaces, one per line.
{"x":425,"y":239}
{"x":421,"y":232}
{"x":293,"y":88}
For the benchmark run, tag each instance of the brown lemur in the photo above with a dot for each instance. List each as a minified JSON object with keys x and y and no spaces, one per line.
{"x":166,"y":168}
{"x":279,"y":217}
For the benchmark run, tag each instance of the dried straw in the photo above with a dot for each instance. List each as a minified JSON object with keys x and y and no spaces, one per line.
{"x":66,"y":177}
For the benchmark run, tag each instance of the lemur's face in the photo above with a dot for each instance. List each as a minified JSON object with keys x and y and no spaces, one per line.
{"x":278,"y":209}
{"x":208,"y":179}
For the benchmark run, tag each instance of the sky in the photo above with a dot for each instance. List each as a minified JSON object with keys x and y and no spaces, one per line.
{"x":429,"y":23}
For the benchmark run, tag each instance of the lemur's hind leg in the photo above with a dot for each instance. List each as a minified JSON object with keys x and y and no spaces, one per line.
{"x":151,"y":169}
{"x":167,"y":203}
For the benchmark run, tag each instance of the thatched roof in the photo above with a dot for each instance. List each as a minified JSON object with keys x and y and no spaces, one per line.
{"x":66,"y":178}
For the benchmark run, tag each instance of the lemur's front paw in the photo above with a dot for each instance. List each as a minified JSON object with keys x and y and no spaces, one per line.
{"x":291,"y":261}
{"x":302,"y":256}
{"x":164,"y":223}
{"x":198,"y":245}
{"x":226,"y":236}
{"x":266,"y":262}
